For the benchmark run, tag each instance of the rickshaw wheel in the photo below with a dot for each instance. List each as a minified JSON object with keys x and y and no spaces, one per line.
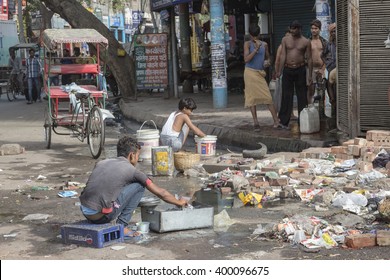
{"x":11,"y":93}
{"x":47,"y":127}
{"x":95,"y":131}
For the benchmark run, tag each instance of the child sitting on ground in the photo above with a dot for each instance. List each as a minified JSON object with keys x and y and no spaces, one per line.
{"x":176,"y":128}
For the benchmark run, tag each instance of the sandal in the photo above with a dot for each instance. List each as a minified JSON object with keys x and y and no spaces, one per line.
{"x":256,"y":127}
{"x":281,"y":126}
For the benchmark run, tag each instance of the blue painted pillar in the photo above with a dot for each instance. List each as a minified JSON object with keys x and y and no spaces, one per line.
{"x":218,"y":54}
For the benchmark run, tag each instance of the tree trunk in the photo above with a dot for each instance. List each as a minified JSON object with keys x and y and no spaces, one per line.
{"x":78,"y":17}
{"x":46,"y":15}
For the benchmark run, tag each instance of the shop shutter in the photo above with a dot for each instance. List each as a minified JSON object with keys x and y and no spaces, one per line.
{"x":374,"y":64}
{"x":285,"y":11}
{"x":342,"y":66}
{"x":373,"y":110}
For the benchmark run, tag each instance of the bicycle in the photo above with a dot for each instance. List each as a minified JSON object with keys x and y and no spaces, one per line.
{"x":14,"y":88}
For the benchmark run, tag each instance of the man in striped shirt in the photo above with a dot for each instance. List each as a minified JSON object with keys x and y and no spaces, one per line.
{"x":33,"y":66}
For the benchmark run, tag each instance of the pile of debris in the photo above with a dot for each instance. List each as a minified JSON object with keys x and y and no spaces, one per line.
{"x":352,"y":177}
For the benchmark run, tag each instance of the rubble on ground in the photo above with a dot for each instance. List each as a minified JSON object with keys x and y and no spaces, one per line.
{"x":353,"y":178}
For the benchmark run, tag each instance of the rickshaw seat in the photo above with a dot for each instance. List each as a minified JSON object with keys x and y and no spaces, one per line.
{"x":82,"y":95}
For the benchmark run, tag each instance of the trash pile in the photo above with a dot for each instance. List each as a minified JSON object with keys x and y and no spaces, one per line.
{"x":352,"y":177}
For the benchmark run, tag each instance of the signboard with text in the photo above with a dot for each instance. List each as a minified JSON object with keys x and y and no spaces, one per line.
{"x":151,"y":60}
{"x":159,"y":4}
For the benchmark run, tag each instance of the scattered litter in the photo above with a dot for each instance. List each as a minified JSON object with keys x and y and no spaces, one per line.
{"x":10,"y":235}
{"x":40,"y":188}
{"x":71,"y":185}
{"x":41,"y":177}
{"x":117,"y":248}
{"x":218,"y":246}
{"x":67,"y":193}
{"x":135,"y":256}
{"x":222,"y":220}
{"x":37,"y":216}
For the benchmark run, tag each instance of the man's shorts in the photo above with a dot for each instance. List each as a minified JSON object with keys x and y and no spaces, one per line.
{"x":333,"y":76}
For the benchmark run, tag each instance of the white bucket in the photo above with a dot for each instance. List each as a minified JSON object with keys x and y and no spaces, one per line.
{"x":147,"y":138}
{"x":206,"y":146}
{"x":309,"y":119}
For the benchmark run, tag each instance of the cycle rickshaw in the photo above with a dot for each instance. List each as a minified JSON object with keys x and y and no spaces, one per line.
{"x":76,"y":109}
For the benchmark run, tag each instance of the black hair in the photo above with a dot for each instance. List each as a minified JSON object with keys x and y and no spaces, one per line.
{"x":31,"y":50}
{"x":127,"y":145}
{"x":296,"y":24}
{"x":317,"y":23}
{"x":254,"y":30}
{"x":188,"y":103}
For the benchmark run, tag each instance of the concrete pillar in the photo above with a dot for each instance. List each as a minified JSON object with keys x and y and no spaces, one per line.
{"x":218,"y":54}
{"x":174,"y":53}
{"x":185,"y":33}
{"x":247,"y":23}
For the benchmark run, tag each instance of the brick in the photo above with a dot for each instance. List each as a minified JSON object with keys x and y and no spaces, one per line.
{"x":278,"y":181}
{"x":278,"y":170}
{"x":364,"y":166}
{"x":260,"y":184}
{"x":360,"y":141}
{"x":349,"y":142}
{"x":360,"y":240}
{"x":297,"y":170}
{"x":368,"y":157}
{"x":338,"y":150}
{"x":370,"y":143}
{"x":383,"y":237}
{"x":371,"y":135}
{"x":356,"y":150}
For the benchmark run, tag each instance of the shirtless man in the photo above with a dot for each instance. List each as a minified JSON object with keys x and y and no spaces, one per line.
{"x":318,"y":44}
{"x":292,"y":60}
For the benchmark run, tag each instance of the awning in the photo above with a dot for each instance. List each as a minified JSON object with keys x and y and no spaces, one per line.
{"x":52,"y":37}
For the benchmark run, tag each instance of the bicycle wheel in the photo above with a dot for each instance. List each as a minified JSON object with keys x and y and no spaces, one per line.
{"x":11,"y":93}
{"x":95,"y":131}
{"x":47,"y":127}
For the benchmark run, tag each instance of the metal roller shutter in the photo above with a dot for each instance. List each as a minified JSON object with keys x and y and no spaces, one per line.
{"x":342,"y":66}
{"x":374,"y":64}
{"x":285,"y":11}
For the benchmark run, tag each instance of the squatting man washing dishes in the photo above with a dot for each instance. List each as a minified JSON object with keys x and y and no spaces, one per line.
{"x":115,"y":188}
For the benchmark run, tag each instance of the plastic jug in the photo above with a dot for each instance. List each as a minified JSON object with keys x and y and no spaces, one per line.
{"x":309,"y":120}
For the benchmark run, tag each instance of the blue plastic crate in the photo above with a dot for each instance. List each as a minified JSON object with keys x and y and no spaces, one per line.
{"x":91,"y":235}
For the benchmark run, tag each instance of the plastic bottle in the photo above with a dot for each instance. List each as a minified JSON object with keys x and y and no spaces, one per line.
{"x":309,"y":120}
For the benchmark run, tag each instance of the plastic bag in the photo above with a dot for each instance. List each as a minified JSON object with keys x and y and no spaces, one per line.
{"x":277,"y":94}
{"x":342,"y":199}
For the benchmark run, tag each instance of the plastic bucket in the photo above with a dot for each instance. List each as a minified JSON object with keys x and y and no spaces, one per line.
{"x":206,"y":146}
{"x":147,"y":138}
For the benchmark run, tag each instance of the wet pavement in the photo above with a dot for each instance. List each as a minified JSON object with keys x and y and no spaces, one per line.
{"x":233,"y":125}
